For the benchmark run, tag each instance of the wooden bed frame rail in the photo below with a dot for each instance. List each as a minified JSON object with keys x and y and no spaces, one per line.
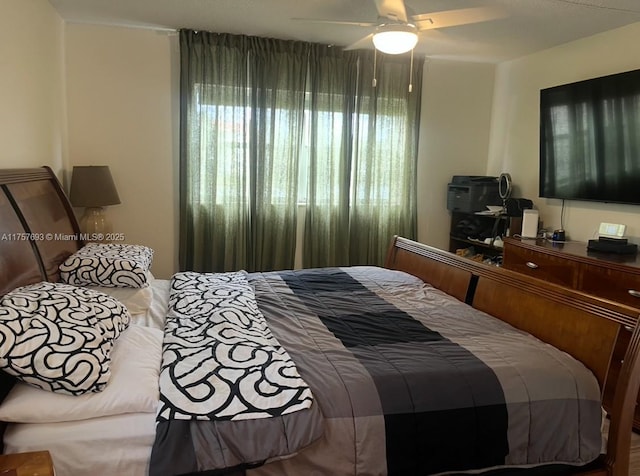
{"x":582,"y":325}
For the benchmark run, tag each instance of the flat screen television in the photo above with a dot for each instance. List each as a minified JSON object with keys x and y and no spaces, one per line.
{"x":590,"y":140}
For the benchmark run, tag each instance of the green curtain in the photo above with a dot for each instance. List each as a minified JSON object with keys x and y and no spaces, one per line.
{"x":363,"y":165}
{"x":383,"y":194}
{"x":241,"y":118}
{"x":333,"y":86}
{"x":267,"y":124}
{"x":278,"y":74}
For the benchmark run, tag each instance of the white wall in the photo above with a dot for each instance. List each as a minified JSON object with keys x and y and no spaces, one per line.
{"x":454,"y":138}
{"x":32,"y":111}
{"x":122,"y":93}
{"x":514,"y":142}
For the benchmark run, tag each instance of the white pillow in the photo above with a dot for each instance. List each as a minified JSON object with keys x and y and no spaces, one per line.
{"x":133,"y":388}
{"x":59,"y":337}
{"x":109,"y":265}
{"x":156,"y":315}
{"x":136,"y":300}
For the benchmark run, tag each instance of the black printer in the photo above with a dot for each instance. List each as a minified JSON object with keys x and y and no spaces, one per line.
{"x":472,"y":193}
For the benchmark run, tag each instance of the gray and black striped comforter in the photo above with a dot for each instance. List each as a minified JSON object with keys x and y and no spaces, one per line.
{"x":409,"y":381}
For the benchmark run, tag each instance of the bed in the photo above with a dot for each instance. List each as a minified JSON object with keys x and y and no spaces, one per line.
{"x":482,"y":407}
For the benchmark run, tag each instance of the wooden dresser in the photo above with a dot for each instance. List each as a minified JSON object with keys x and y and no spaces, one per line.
{"x":615,"y":277}
{"x":611,"y":276}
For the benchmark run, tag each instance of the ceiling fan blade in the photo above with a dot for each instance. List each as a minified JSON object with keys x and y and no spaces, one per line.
{"x":392,"y":9}
{"x":463,"y":16}
{"x":337,"y":22}
{"x":362,"y":43}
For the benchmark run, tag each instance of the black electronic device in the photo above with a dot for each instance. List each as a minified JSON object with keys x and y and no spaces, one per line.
{"x":472,"y":193}
{"x":613,"y":241}
{"x":614,"y":246}
{"x":515,"y":207}
{"x":467,"y":179}
{"x":589,"y":139}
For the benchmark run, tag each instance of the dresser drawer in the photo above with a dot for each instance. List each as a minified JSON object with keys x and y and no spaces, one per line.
{"x":611,"y":284}
{"x":540,"y":265}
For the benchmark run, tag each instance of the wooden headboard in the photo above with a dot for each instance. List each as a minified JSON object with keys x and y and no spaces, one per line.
{"x":38,"y":229}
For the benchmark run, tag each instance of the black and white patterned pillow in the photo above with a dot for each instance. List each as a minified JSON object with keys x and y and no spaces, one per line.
{"x":109,"y":265}
{"x":59,"y":337}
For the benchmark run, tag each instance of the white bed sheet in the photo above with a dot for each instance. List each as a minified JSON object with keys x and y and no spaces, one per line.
{"x":107,"y":446}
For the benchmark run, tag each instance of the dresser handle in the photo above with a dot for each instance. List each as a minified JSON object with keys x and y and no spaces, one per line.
{"x":532,"y":265}
{"x":634,"y":293}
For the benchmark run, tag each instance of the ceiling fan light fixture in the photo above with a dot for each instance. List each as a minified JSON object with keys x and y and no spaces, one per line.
{"x":395,"y":39}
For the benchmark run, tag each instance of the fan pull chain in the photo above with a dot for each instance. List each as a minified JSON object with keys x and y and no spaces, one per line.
{"x":375,"y":60}
{"x":411,"y":73}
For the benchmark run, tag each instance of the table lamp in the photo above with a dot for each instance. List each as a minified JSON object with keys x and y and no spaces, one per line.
{"x":92,"y":187}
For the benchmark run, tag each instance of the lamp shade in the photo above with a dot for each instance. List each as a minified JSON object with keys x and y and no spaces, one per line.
{"x":395,"y":39}
{"x":92,"y":186}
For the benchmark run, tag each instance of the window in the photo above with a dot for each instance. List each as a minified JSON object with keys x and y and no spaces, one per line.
{"x":266,"y":129}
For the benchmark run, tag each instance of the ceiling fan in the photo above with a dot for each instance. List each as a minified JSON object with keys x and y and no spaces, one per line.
{"x":396,"y":32}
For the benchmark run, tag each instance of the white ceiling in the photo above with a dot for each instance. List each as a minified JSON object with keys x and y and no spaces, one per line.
{"x":530,"y":25}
